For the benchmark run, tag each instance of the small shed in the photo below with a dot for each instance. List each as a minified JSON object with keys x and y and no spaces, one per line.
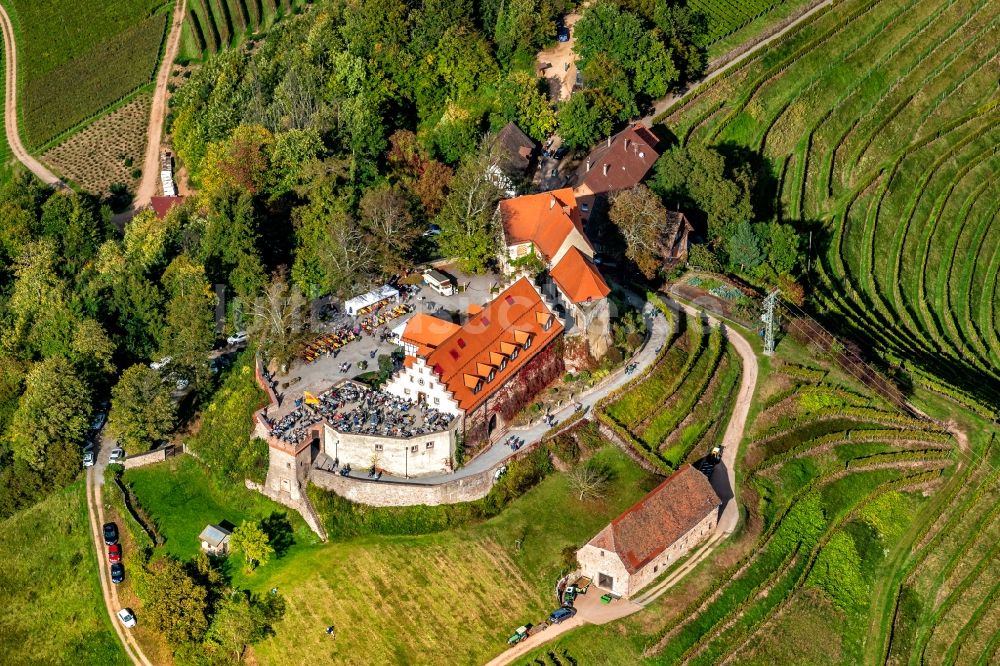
{"x":215,"y":540}
{"x":364,"y":304}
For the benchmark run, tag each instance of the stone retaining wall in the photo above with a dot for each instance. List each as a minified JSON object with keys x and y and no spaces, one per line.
{"x":392,"y":493}
{"x":159,"y":455}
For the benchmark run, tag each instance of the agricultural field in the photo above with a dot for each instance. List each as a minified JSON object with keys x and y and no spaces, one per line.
{"x":213,"y":25}
{"x":7,"y":162}
{"x":879,"y":123}
{"x":49,"y":588}
{"x":109,"y":150}
{"x":725,"y":17}
{"x":836,"y":484}
{"x":679,"y":411}
{"x":65,"y":75}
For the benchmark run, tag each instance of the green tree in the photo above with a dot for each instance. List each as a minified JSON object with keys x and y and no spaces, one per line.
{"x":142,"y":410}
{"x":39,"y":305}
{"x":243,"y":619}
{"x":522,"y":101}
{"x":782,"y":247}
{"x":464,"y":62}
{"x":745,"y":248}
{"x":334,"y":253}
{"x":52,"y":414}
{"x":249,"y":539}
{"x":189,"y":333}
{"x":386,"y":214}
{"x":581,"y":122}
{"x":174,"y":603}
{"x":467,"y":226}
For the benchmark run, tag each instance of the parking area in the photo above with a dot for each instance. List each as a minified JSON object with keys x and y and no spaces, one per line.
{"x":360,"y":354}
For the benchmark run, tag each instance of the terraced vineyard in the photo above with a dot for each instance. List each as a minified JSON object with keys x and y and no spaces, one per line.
{"x":880,"y":122}
{"x":212,"y":25}
{"x":727,"y":16}
{"x":836,"y":484}
{"x":679,"y":411}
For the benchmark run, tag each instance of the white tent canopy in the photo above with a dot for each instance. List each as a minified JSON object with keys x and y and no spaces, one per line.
{"x":383,"y":293}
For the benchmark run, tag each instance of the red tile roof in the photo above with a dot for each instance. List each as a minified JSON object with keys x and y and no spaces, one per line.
{"x":162,"y":205}
{"x":659,"y":519}
{"x":424,"y":330}
{"x":621,"y":165}
{"x":579,"y":278}
{"x":545,"y":219}
{"x":464,"y":359}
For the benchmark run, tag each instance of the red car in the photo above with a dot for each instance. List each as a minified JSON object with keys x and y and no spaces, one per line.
{"x":115,"y":553}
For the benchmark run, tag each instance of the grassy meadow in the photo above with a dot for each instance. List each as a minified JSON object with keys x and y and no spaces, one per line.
{"x":49,"y":587}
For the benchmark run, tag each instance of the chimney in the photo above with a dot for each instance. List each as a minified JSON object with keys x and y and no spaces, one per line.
{"x":588,"y":164}
{"x":626,"y":143}
{"x":552,"y":201}
{"x":606,"y":169}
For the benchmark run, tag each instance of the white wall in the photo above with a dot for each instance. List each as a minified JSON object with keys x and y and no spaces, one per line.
{"x":410,"y":382}
{"x":395,"y":455}
{"x":595,"y":561}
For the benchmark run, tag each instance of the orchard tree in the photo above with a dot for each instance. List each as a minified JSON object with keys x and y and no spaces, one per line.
{"x":468,"y":231}
{"x":252,"y":541}
{"x":782,"y":248}
{"x":142,"y":410}
{"x":640,"y":216}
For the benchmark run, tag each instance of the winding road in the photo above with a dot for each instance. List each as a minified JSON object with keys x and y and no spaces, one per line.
{"x":10,"y":107}
{"x":589,"y":610}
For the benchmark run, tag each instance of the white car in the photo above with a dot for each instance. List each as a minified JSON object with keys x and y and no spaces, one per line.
{"x":237,"y":338}
{"x":125,"y":615}
{"x":162,"y":363}
{"x":88,"y":459}
{"x":117,"y":455}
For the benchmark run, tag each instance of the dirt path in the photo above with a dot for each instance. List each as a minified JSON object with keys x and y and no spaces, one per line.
{"x":10,"y":107}
{"x":95,"y":510}
{"x":663,"y":104}
{"x":589,"y":609}
{"x":151,"y":165}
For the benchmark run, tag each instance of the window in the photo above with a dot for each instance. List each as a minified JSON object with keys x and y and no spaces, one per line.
{"x":489,"y":377}
{"x":503,"y":363}
{"x":437,"y":401}
{"x":548,"y":323}
{"x":477,"y":388}
{"x":453,"y":353}
{"x":429,"y":445}
{"x":527,"y":343}
{"x":461,"y":343}
{"x":414,"y":448}
{"x":406,"y":391}
{"x":656,"y":567}
{"x":412,"y":379}
{"x":378,"y":447}
{"x":584,"y":207}
{"x":421,"y":382}
{"x":513,"y":354}
{"x":602,"y":553}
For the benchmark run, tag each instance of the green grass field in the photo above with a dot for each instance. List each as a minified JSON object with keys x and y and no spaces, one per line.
{"x":181,"y":498}
{"x":53,"y":612}
{"x":404,"y":599}
{"x":879,"y":123}
{"x":74,"y":59}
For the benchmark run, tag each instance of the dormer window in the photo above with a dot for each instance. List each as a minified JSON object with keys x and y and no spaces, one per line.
{"x":489,"y":377}
{"x":513,"y":354}
{"x":527,"y":343}
{"x":477,"y":388}
{"x":503,"y":363}
{"x":548,"y":324}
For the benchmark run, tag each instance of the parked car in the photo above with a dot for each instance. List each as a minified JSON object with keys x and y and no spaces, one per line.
{"x":117,"y":572}
{"x":560,"y":614}
{"x":98,"y":421}
{"x":88,"y":447}
{"x":117,"y":455}
{"x":561,"y":153}
{"x":562,"y":34}
{"x":238,"y":338}
{"x":115,"y":553}
{"x":162,"y":363}
{"x":88,"y":458}
{"x":125,"y":615}
{"x":110,"y":533}
{"x":433,"y":230}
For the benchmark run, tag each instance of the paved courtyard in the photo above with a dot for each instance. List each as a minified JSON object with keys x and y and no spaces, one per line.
{"x":327,"y":370}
